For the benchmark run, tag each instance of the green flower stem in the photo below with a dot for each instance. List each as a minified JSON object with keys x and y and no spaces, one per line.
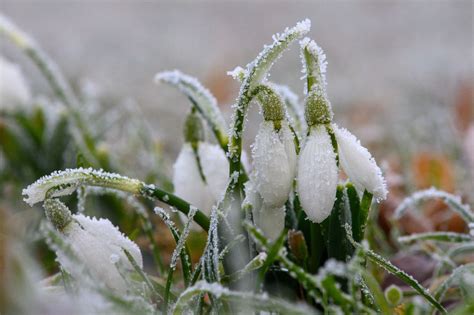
{"x":151,"y":191}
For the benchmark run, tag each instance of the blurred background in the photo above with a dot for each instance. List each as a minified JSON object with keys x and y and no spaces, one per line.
{"x":400,"y":77}
{"x":387,"y":59}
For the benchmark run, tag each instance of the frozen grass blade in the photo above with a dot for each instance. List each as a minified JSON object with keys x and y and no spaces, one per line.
{"x":450,"y":237}
{"x":256,"y":263}
{"x":388,"y":266}
{"x":454,"y":202}
{"x":201,"y":99}
{"x":246,"y":300}
{"x":143,"y":276}
{"x":270,"y":258}
{"x":452,"y":280}
{"x":184,"y":254}
{"x":178,"y":253}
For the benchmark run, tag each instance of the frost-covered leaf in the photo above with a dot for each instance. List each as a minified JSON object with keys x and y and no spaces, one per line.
{"x":246,"y":301}
{"x":204,"y":101}
{"x":60,"y":183}
{"x":454,"y":202}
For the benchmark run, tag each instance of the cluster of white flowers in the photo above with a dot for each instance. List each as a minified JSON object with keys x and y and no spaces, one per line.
{"x":14,"y":89}
{"x":317,"y":174}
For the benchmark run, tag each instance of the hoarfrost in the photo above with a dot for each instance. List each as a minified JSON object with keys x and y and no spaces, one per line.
{"x":67,"y":181}
{"x":454,"y":202}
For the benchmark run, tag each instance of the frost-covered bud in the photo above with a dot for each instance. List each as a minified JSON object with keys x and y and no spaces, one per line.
{"x":359,"y":165}
{"x":98,"y":244}
{"x":270,"y":220}
{"x":57,"y":213}
{"x":317,"y":175}
{"x":274,"y":163}
{"x":318,"y":109}
{"x":14,"y":89}
{"x":188,"y":181}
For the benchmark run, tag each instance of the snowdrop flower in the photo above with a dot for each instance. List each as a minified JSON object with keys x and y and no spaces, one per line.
{"x":200,"y":173}
{"x":96,"y":243}
{"x":270,"y":220}
{"x":317,"y":169}
{"x":14,"y":89}
{"x":359,"y":165}
{"x":317,"y":175}
{"x":274,"y":153}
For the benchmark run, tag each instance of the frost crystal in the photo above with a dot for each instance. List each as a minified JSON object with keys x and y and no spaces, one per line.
{"x":14,"y":89}
{"x":274,"y":160}
{"x":359,"y":165}
{"x":98,"y":244}
{"x":61,"y":183}
{"x":317,"y":175}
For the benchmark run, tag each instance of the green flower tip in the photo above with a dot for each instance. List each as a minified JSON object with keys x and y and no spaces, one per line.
{"x":57,"y":213}
{"x":193,"y":128}
{"x":318,"y":109}
{"x":272,"y":105}
{"x":393,"y":294}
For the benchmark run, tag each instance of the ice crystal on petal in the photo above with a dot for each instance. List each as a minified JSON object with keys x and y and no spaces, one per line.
{"x":359,"y":165}
{"x":14,"y":89}
{"x":97,"y":243}
{"x":274,"y":160}
{"x":317,"y":175}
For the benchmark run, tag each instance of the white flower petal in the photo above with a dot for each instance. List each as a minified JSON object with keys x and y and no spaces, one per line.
{"x":13,"y":87}
{"x":317,"y":175}
{"x":215,"y":167}
{"x":188,"y":183}
{"x":274,"y":163}
{"x":359,"y":165}
{"x":98,"y":245}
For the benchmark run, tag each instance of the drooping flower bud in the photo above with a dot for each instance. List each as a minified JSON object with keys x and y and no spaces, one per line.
{"x":274,"y":160}
{"x":99,"y":247}
{"x":317,"y":175}
{"x":14,"y":89}
{"x":359,"y":165}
